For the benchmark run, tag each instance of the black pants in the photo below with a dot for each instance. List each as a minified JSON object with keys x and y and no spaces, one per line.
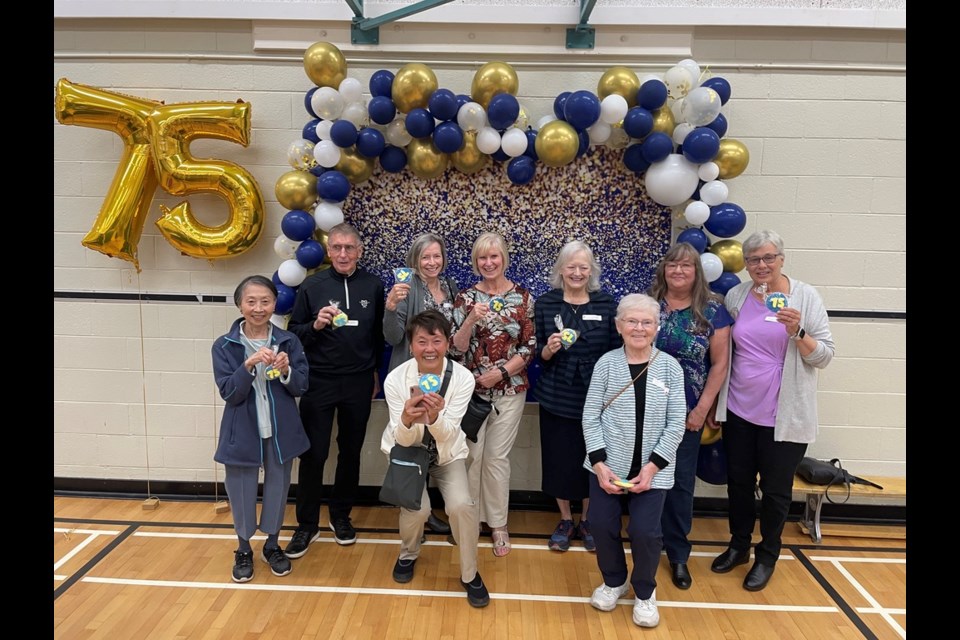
{"x":751,"y":449}
{"x":349,"y":396}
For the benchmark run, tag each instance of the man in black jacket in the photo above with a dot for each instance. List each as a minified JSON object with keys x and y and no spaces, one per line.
{"x":338,"y":316}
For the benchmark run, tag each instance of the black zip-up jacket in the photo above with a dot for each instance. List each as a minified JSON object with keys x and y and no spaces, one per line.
{"x":354,"y":348}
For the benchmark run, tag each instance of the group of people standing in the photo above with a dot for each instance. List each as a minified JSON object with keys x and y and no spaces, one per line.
{"x":624,"y":392}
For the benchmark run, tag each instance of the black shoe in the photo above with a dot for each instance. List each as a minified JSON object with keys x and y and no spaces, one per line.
{"x":300,"y":542}
{"x":477,"y":593}
{"x":435,"y":524}
{"x":278,"y":561}
{"x":403,"y":570}
{"x":758,"y":577}
{"x":729,"y":559}
{"x":680,"y":575}
{"x":343,"y":531}
{"x":242,"y":566}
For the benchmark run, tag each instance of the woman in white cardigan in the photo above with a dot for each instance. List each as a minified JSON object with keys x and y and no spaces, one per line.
{"x":633,"y":422}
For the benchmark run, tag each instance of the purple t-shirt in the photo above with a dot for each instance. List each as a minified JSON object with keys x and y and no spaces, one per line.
{"x":759,"y":348}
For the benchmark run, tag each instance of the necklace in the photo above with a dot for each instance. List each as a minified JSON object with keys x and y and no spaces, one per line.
{"x":574,"y":307}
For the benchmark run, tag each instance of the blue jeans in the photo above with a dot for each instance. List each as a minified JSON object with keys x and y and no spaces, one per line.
{"x":678,"y":508}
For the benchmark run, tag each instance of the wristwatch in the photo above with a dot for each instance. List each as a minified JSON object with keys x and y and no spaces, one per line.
{"x":800,"y":334}
{"x":503,"y":372}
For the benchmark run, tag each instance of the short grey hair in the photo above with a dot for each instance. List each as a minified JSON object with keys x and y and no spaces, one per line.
{"x":759,"y":238}
{"x":566,"y":254}
{"x":345,"y":229}
{"x":487,"y":241}
{"x":420,"y":243}
{"x":638,"y":302}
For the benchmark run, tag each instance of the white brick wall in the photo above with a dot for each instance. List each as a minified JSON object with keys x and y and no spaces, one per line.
{"x":827,"y":170}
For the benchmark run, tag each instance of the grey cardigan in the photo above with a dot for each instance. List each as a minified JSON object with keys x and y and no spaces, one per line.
{"x":395,"y":322}
{"x":615,"y":428}
{"x":797,"y":404}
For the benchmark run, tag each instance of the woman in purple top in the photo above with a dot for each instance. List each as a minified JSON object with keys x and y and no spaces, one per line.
{"x":769,"y":404}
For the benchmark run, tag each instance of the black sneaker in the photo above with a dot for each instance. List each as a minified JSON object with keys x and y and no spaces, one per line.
{"x":403,"y":570}
{"x":343,"y":531}
{"x":477,"y":593}
{"x":279,"y":563}
{"x":300,"y":542}
{"x":242,"y":566}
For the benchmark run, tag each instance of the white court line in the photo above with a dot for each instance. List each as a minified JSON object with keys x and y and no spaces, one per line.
{"x":866,"y":595}
{"x":893,"y":612}
{"x":850,"y":559}
{"x":177,"y":584}
{"x":91,"y":536}
{"x":92,"y":532}
{"x":59,"y":577}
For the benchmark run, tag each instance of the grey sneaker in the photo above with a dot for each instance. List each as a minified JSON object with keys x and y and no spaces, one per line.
{"x":605,"y":598}
{"x":645,"y":612}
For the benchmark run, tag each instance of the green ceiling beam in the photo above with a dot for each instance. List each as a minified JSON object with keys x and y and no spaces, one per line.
{"x":582,"y":36}
{"x":367,"y":30}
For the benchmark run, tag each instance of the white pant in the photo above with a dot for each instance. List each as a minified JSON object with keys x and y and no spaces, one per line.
{"x":488,"y":465}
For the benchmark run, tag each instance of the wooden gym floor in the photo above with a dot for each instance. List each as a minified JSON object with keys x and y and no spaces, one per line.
{"x":123,"y":572}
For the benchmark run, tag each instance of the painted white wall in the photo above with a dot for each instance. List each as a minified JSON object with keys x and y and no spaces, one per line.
{"x":822,"y":110}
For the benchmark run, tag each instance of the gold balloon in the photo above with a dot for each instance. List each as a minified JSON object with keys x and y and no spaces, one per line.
{"x":557,"y":143}
{"x":709,"y":436}
{"x":424,"y":159}
{"x":354,"y":166}
{"x":491,"y":79}
{"x":732,"y":158}
{"x":296,"y":190}
{"x":325,"y":65}
{"x":621,"y":81}
{"x":469,"y":159}
{"x":412,"y":86}
{"x":730,"y":253}
{"x":323,"y":238}
{"x":663,"y":120}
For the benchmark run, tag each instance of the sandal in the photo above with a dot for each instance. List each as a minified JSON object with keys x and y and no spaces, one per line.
{"x":501,"y":542}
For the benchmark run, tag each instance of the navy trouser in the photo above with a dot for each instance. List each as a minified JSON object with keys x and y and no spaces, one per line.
{"x":678,"y":508}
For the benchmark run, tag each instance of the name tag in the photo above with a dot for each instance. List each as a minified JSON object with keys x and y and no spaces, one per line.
{"x":592,"y":316}
{"x":352,"y":323}
{"x":659,"y":383}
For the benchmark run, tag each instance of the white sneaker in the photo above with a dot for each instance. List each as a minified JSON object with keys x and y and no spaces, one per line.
{"x":645,"y":613}
{"x":605,"y":598}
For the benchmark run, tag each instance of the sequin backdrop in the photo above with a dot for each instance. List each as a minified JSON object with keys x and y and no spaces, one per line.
{"x":594,"y":199}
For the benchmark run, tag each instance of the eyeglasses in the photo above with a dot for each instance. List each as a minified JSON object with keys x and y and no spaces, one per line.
{"x":345,"y":248}
{"x":679,"y":266}
{"x":768,"y":258}
{"x":631,"y":324}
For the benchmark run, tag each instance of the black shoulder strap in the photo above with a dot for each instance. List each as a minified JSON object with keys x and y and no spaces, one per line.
{"x":447,"y":374}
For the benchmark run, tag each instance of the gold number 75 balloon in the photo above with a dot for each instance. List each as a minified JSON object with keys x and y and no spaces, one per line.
{"x":156,"y":140}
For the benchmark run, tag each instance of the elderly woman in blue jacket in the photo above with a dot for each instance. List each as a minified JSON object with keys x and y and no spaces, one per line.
{"x":633,"y":422}
{"x":260,"y":370}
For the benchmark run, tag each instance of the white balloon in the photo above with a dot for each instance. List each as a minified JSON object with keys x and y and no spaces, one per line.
{"x":397,"y":133}
{"x":691,"y":65}
{"x":351,"y":89}
{"x":709,"y":171}
{"x":650,"y":76}
{"x":599,"y":132}
{"x":675,"y":108}
{"x":285,"y":247}
{"x":327,"y":103}
{"x":488,"y":140}
{"x":356,"y":112}
{"x":323,"y":129}
{"x":523,"y":119}
{"x":326,"y":153}
{"x":619,"y":139}
{"x":542,"y":122}
{"x":696,"y":213}
{"x":681,"y":131}
{"x":714,"y":192}
{"x":701,"y":106}
{"x":327,"y":215}
{"x":291,"y":273}
{"x":513,"y":142}
{"x":672,"y":180}
{"x":471,"y":117}
{"x":280,"y":321}
{"x":712,"y":266}
{"x":678,"y":79}
{"x":613,"y":108}
{"x":300,"y":154}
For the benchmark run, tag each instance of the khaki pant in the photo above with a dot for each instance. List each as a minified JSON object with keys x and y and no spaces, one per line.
{"x":488,"y":465}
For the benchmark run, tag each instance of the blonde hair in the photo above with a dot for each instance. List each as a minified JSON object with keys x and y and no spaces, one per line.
{"x":566,"y":254}
{"x":483,"y":244}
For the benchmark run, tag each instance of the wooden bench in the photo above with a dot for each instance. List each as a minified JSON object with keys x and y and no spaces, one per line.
{"x":815,"y":495}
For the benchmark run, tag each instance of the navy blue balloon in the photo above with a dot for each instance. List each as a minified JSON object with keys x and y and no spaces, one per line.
{"x":310,"y":130}
{"x":499,"y":155}
{"x":420,"y":123}
{"x":297,"y":225}
{"x":726,"y":220}
{"x":310,"y":254}
{"x":712,"y":463}
{"x":276,"y":278}
{"x":584,"y":143}
{"x":724,"y":283}
{"x":558,"y":104}
{"x":307,"y":98}
{"x":638,"y":122}
{"x":317,"y":170}
{"x":381,"y":83}
{"x":701,"y":145}
{"x":393,"y":159}
{"x":719,"y":125}
{"x":656,"y":147}
{"x":382,"y":110}
{"x":333,"y":186}
{"x":448,"y":137}
{"x":286,"y":296}
{"x":652,"y":95}
{"x":370,"y":142}
{"x":720,"y":85}
{"x":462,"y":99}
{"x":694,"y":236}
{"x":521,"y":170}
{"x":696,"y":192}
{"x":581,"y":109}
{"x":531,"y":151}
{"x":443,"y":104}
{"x":633,"y":158}
{"x":502,"y":111}
{"x":343,"y":133}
